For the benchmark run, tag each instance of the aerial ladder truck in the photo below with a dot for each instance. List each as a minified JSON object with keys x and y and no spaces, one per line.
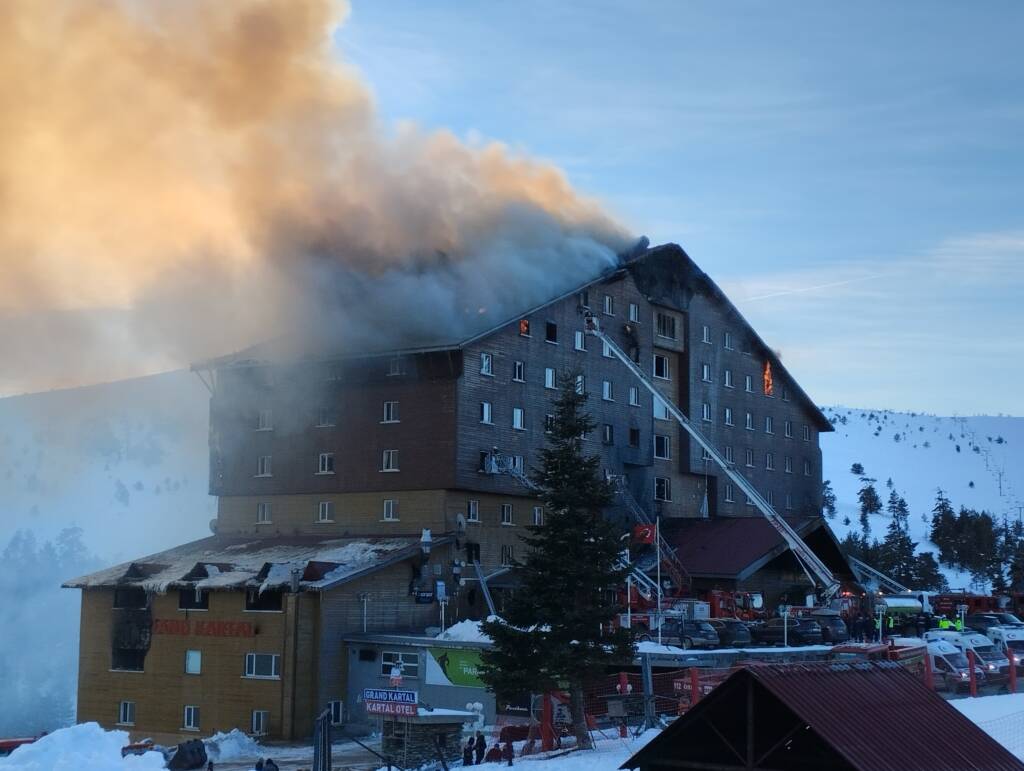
{"x":815,"y":570}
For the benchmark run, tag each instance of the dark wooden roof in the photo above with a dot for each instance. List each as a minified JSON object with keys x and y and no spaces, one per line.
{"x":867,"y":717}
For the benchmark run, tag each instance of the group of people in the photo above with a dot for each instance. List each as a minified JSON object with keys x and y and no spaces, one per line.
{"x":475,"y":751}
{"x":864,"y":627}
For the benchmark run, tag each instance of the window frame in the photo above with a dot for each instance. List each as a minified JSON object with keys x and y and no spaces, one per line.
{"x":634,"y":313}
{"x":669,"y":326}
{"x":391,"y":414}
{"x":264,"y":513}
{"x":265,"y":420}
{"x":519,"y":371}
{"x":727,"y":416}
{"x":607,"y":434}
{"x":325,"y":464}
{"x":705,"y":412}
{"x":507,"y":555}
{"x":550,"y":378}
{"x":263,"y":729}
{"x":251,"y":658}
{"x":728,"y":379}
{"x":608,"y":305}
{"x":189,"y":657}
{"x":666,"y":489}
{"x":324,"y":511}
{"x":129,"y":707}
{"x":473,"y":510}
{"x":389,"y":509}
{"x":337,"y":709}
{"x":666,"y":368}
{"x":486,"y":364}
{"x":486,"y":414}
{"x":264,"y":466}
{"x":769,"y":424}
{"x":389,"y":461}
{"x":607,"y":391}
{"x":518,"y":419}
{"x":538,"y":516}
{"x":551,"y":332}
{"x":507,"y":514}
{"x":324,"y":418}
{"x":402,"y":660}
{"x":579,"y":341}
{"x":705,"y":336}
{"x":634,"y":396}
{"x":190,"y":718}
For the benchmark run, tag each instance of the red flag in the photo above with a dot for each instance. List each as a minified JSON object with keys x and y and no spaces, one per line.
{"x":643,"y":533}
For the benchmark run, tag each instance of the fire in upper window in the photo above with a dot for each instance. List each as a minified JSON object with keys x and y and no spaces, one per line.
{"x":768,"y":387}
{"x":524,"y":327}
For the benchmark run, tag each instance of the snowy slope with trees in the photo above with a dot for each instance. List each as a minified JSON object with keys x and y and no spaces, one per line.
{"x":975,"y":461}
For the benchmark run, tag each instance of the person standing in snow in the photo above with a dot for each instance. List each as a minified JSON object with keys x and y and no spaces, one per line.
{"x":480,"y":747}
{"x":467,"y":753}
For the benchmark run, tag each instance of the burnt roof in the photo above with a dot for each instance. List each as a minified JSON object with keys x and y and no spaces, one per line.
{"x":730,"y":547}
{"x":665,"y":273}
{"x":872,"y":716}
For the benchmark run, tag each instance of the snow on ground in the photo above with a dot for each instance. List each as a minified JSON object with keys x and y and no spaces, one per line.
{"x":977,"y":461}
{"x":466,"y":631}
{"x":231,"y":746}
{"x":1001,"y":717}
{"x":85,"y":747}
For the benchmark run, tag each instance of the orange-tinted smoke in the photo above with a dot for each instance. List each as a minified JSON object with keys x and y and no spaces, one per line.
{"x":170,"y":148}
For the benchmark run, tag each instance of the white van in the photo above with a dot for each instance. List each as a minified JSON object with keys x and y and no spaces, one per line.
{"x":950,"y":667}
{"x":1009,"y":641}
{"x":995,"y":664}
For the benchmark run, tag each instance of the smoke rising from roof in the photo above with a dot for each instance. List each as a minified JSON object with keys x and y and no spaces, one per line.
{"x":180,"y":178}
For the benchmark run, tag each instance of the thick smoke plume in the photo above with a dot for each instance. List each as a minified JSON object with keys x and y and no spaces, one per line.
{"x":179,"y":178}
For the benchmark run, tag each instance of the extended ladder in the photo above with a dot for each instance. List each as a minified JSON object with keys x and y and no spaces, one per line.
{"x":676,"y":570}
{"x":864,"y":572}
{"x":807,"y":558}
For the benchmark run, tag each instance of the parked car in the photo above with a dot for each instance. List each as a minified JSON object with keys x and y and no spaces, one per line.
{"x":731,"y":632}
{"x":982,"y":622}
{"x":797,"y":631}
{"x":688,"y":634}
{"x":833,"y":628}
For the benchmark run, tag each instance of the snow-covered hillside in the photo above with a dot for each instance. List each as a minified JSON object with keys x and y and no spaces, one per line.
{"x":977,"y":461}
{"x":125,"y":461}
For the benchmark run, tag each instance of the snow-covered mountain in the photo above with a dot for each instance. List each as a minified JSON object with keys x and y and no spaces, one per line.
{"x":977,"y":461}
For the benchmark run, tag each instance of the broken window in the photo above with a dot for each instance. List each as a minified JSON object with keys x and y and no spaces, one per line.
{"x":666,"y":326}
{"x":130,"y":597}
{"x":193,"y":599}
{"x":661,"y":369}
{"x":551,"y":332}
{"x":634,"y":437}
{"x":662,"y":489}
{"x":128,"y":660}
{"x":269,"y":599}
{"x":524,"y":327}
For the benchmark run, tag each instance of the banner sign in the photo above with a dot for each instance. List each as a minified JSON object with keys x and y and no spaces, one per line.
{"x":461,"y":667}
{"x":184,"y":628}
{"x":384,"y":701}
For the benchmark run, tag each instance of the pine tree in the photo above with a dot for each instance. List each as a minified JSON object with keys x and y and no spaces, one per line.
{"x":943,"y":531}
{"x":857,"y":470}
{"x":828,"y":500}
{"x":555,"y":631}
{"x":870,"y":504}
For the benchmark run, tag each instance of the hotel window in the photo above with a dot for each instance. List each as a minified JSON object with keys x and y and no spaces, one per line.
{"x":769,"y":461}
{"x":581,"y":384}
{"x":519,"y":372}
{"x":549,"y":423}
{"x":748,"y":500}
{"x":661,"y":367}
{"x":662,"y":489}
{"x":662,"y":447}
{"x":807,"y":468}
{"x":506,"y":514}
{"x":268,"y":601}
{"x":608,"y":434}
{"x":785,"y":394}
{"x":748,"y":384}
{"x":389,"y":460}
{"x":326,"y":463}
{"x":538,"y":516}
{"x":789,"y":501}
{"x":473,"y":511}
{"x":193,"y":662}
{"x":265,"y":420}
{"x":518,"y":419}
{"x":325,"y":511}
{"x":260,"y":722}
{"x":126,"y":713}
{"x":262,"y":513}
{"x":524,"y":327}
{"x":704,"y":454}
{"x":390,"y":412}
{"x":749,"y":424}
{"x":705,"y":336}
{"x":485,"y":412}
{"x":193,"y":599}
{"x":728,"y":341}
{"x":705,"y":411}
{"x":729,"y":454}
{"x":584,"y":298}
{"x":634,"y":437}
{"x":634,"y":312}
{"x":666,"y":325}
{"x":408,"y":664}
{"x":263,"y":665}
{"x":634,"y":396}
{"x":127,"y":660}
{"x":728,"y":378}
{"x":807,"y":433}
{"x":549,"y":377}
{"x":263,"y":466}
{"x":771,"y":497}
{"x":606,"y":350}
{"x":660,"y":410}
{"x":580,"y":341}
{"x":606,"y":391}
{"x":390,"y":510}
{"x":705,"y":373}
{"x":517,"y":463}
{"x":191,"y":719}
{"x":395,"y":366}
{"x":729,"y":493}
{"x":749,"y":457}
{"x":728,"y":416}
{"x":486,"y":463}
{"x":324,"y":417}
{"x":551,"y":332}
{"x":788,"y":465}
{"x":789,"y":429}
{"x":337,"y":712}
{"x":130,"y":597}
{"x":486,"y":364}
{"x":609,"y":305}
{"x":769,"y":424}
{"x":507,"y":556}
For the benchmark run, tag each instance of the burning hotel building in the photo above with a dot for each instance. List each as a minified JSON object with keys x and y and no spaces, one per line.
{"x":358,"y":491}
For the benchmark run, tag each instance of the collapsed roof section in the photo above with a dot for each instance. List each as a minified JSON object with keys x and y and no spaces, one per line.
{"x":228,"y":563}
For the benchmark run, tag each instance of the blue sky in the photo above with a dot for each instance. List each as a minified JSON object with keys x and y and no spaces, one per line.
{"x":850,"y":174}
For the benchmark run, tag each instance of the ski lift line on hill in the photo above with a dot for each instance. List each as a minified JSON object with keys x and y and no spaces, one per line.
{"x":808,"y":560}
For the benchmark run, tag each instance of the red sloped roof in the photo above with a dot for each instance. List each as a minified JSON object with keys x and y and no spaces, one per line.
{"x":877,"y":716}
{"x":727,"y":546}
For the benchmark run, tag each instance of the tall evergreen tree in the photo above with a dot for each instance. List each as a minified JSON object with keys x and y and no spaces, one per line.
{"x":828,"y":500}
{"x":870,"y":504}
{"x":943,"y":531}
{"x":556,"y":631}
